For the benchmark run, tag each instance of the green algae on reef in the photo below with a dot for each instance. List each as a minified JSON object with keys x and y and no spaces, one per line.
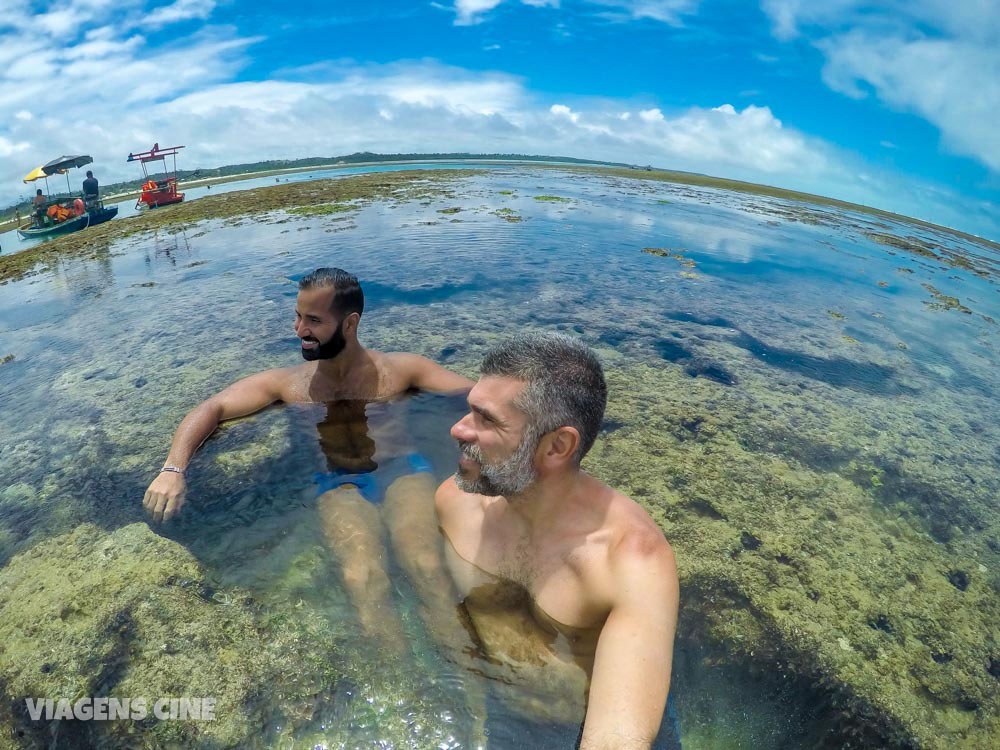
{"x":553,"y":199}
{"x":943,"y":301}
{"x":305,"y":197}
{"x":324,"y":210}
{"x":792,"y":570}
{"x":129,"y":614}
{"x":508,"y":214}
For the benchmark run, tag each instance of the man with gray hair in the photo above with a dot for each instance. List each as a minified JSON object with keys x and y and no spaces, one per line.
{"x":595,"y":571}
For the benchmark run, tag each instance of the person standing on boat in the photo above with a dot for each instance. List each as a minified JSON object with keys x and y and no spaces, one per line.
{"x":91,"y":191}
{"x":38,"y":204}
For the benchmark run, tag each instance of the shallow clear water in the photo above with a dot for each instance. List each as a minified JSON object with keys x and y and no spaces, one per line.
{"x":807,"y":343}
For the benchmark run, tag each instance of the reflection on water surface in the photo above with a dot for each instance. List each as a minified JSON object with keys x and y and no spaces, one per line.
{"x":814,"y":429}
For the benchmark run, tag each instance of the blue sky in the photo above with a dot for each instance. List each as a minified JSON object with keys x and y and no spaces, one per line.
{"x":891,"y":103}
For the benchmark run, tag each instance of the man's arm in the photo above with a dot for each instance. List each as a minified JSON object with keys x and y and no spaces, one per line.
{"x":422,"y":373}
{"x":628,"y":689}
{"x":165,"y":496}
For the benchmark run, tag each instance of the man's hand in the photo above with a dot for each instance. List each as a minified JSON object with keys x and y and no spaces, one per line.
{"x":165,"y":496}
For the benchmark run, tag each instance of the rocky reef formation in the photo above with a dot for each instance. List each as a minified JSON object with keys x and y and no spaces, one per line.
{"x":130,"y":614}
{"x":801,"y":572}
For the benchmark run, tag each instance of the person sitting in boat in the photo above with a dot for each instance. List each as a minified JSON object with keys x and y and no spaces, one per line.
{"x":149,"y":186}
{"x":91,"y":190}
{"x":38,"y":204}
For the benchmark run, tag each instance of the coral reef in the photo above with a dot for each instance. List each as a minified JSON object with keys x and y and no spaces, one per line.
{"x":130,"y":614}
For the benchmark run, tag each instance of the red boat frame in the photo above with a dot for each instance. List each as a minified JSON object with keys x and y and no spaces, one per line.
{"x":158,"y":192}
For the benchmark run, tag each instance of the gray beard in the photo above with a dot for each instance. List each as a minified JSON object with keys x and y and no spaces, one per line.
{"x":507,"y":478}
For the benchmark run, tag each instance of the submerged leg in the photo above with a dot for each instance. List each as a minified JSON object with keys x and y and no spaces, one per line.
{"x":413,"y":528}
{"x":353,"y":529}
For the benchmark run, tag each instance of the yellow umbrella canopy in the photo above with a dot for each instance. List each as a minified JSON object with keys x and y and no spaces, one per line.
{"x":35,"y":174}
{"x":38,"y":174}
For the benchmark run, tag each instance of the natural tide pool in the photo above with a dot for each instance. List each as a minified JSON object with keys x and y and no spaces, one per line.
{"x":803,"y":398}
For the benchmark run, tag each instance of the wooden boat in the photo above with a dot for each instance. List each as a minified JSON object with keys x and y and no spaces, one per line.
{"x":161,"y":191}
{"x":100,"y":214}
{"x":63,"y":227}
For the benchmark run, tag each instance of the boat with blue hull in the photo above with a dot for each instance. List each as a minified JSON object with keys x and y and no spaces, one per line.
{"x":100,"y":214}
{"x":63,"y":227}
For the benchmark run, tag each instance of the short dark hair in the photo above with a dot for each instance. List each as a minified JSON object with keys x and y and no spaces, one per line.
{"x":347,"y":295}
{"x":89,"y":173}
{"x":38,"y":192}
{"x":565,"y":383}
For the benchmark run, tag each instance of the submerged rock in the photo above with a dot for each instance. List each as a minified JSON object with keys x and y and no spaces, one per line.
{"x":787,"y":565}
{"x":128,"y":615}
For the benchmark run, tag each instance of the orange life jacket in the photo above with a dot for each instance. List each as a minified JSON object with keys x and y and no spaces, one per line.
{"x":58,"y":213}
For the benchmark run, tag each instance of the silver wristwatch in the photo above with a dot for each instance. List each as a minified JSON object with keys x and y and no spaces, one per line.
{"x":174,"y":469}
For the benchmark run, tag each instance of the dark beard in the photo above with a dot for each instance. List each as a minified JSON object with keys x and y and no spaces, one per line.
{"x":329,"y":350}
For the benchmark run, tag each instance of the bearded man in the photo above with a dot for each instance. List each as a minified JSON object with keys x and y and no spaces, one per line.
{"x":593,"y":569}
{"x":353,"y":382}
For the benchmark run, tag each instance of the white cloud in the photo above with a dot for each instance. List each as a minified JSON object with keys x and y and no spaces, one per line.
{"x":937,"y":59}
{"x":23,"y":115}
{"x":180,"y":10}
{"x":953,"y":84}
{"x":122,"y":102}
{"x":7,"y":148}
{"x":561,"y":110}
{"x":667,"y":11}
{"x":468,"y":12}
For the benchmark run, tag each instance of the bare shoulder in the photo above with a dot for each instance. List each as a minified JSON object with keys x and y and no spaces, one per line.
{"x":637,"y":552}
{"x":399,"y":362}
{"x":419,"y":372}
{"x":267,"y":380}
{"x":456,"y":507}
{"x":287,"y":382}
{"x":449,"y":498}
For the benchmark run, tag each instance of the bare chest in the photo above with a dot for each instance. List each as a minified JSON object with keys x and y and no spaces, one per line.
{"x":553,"y":576}
{"x":374,"y":383}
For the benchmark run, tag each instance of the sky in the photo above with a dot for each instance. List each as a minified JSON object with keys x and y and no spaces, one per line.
{"x":894,"y":103}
